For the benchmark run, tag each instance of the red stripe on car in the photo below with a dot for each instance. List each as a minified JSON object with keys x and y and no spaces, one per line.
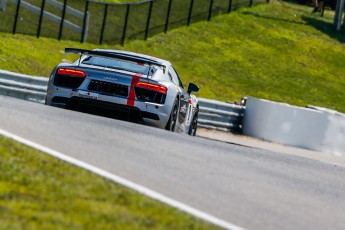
{"x":131,"y":97}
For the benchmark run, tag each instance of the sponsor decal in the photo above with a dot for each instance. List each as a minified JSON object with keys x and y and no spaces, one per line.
{"x":88,"y":95}
{"x":111,"y":78}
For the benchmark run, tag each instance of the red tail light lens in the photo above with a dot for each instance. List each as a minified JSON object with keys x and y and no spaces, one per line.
{"x":154,"y":87}
{"x":71,"y":72}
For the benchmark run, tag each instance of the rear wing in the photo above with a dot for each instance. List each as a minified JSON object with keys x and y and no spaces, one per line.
{"x":113,"y":54}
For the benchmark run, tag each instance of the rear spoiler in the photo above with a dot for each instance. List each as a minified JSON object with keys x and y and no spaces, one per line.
{"x":113,"y":54}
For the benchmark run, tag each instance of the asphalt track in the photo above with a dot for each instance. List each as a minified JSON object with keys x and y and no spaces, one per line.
{"x":249,"y":187}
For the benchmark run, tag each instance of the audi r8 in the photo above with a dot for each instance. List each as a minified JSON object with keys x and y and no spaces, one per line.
{"x":126,"y":85}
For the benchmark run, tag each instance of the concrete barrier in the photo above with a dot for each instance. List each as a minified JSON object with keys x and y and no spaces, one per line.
{"x":312,"y":128}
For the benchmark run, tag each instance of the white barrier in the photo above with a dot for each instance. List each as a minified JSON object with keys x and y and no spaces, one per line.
{"x":316,"y":129}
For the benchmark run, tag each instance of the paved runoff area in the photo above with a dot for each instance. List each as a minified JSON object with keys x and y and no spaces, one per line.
{"x":252,"y":142}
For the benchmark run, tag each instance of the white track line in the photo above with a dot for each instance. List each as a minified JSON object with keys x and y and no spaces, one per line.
{"x":150,"y":193}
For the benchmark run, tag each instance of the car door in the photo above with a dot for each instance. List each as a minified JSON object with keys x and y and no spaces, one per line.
{"x":184,"y":96}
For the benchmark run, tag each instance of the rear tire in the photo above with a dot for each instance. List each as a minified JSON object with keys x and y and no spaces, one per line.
{"x":194,"y":125}
{"x":171,"y":125}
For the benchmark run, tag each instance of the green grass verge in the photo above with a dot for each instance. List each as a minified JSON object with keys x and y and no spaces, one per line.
{"x":279,"y":51}
{"x":38,"y":191}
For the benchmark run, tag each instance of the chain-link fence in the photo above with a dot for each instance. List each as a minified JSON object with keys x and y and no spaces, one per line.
{"x":106,"y":22}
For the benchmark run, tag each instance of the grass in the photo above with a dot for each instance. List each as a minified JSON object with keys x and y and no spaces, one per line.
{"x":38,"y":191}
{"x":279,"y":52}
{"x":116,"y":13}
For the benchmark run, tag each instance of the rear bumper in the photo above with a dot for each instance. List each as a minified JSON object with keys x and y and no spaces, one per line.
{"x":106,"y":109}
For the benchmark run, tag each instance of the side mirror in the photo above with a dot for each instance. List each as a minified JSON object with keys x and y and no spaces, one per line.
{"x":192,"y":88}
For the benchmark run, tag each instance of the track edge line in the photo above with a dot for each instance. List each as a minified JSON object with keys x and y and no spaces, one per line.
{"x":129,"y":184}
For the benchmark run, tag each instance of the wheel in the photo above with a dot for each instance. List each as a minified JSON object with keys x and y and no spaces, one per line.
{"x":194,"y":125}
{"x":173,"y":117}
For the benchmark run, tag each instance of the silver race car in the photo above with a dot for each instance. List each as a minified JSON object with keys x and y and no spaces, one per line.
{"x":125,"y":85}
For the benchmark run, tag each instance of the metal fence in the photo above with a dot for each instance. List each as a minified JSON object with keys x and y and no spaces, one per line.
{"x":212,"y":115}
{"x":50,"y":16}
{"x":23,"y":86}
{"x":220,"y":115}
{"x":104,"y":22}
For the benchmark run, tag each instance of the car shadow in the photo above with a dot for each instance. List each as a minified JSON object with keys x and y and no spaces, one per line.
{"x":326,"y":28}
{"x":272,"y":18}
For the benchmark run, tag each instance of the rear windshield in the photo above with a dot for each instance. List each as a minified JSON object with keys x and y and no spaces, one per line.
{"x":118,"y":64}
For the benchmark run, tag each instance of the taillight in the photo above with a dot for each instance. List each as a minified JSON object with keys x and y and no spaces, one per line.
{"x":154,"y":87}
{"x":71,"y":72}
